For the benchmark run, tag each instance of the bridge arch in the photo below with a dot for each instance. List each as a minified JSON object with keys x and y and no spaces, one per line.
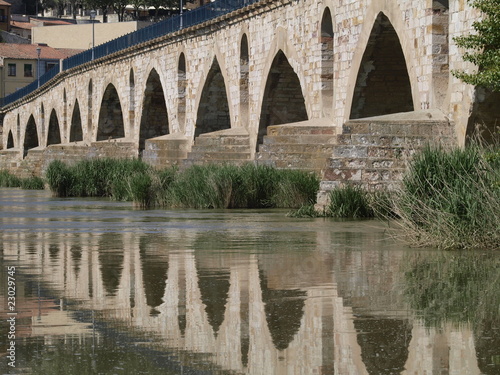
{"x":10,"y":140}
{"x":327,"y":61}
{"x":181,"y":90}
{"x":131,"y":99}
{"x":42,"y":119}
{"x":54,"y":130}
{"x":76,"y":129}
{"x":64,"y":112}
{"x":89,"y":109}
{"x":30,"y":135}
{"x":154,"y":118}
{"x":387,"y":14}
{"x":281,"y":55}
{"x":213,"y":97}
{"x":244,"y":79}
{"x":111,"y":124}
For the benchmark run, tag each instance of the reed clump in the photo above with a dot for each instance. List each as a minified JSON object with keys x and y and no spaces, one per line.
{"x":209,"y":186}
{"x":7,"y":179}
{"x":350,"y":202}
{"x":451,"y":198}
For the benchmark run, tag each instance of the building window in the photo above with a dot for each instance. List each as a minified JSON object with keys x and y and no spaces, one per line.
{"x":12,"y":70}
{"x":28,"y":70}
{"x":50,"y":66}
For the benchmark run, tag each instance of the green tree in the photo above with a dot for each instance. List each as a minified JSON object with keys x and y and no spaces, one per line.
{"x":483,"y":46}
{"x":103,"y":5}
{"x":119,"y":8}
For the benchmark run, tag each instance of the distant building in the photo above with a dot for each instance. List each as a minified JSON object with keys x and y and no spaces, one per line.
{"x":80,"y":36}
{"x":19,"y":64}
{"x":4,"y":15}
{"x":23,"y":25}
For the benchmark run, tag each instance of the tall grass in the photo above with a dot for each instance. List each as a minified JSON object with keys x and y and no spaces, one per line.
{"x":451,"y":199}
{"x":350,"y":202}
{"x":30,"y":183}
{"x":248,"y":186}
{"x":9,"y":180}
{"x":457,"y":287}
{"x":210,"y":186}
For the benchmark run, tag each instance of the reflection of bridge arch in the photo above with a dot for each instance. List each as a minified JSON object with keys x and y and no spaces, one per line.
{"x":327,"y":337}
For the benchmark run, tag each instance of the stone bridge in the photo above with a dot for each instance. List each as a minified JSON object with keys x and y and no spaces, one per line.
{"x":340,"y":87}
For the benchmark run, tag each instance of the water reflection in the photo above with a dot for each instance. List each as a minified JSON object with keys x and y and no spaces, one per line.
{"x":238,"y":292}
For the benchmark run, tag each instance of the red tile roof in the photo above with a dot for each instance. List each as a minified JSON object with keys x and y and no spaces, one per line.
{"x":21,"y":25}
{"x":2,"y":2}
{"x":28,"y":52}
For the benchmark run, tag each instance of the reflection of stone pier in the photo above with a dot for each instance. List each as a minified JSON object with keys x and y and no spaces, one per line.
{"x":169,"y":295}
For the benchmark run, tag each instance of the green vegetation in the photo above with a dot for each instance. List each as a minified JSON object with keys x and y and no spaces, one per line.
{"x":31,"y":183}
{"x":350,"y":201}
{"x":9,"y":180}
{"x":458,"y":288}
{"x":484,"y":45}
{"x":451,"y":199}
{"x":210,"y":186}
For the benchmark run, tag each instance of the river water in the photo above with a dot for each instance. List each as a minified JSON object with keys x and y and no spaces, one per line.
{"x":103,"y":288}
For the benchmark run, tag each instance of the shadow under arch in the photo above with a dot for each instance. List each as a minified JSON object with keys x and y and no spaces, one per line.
{"x":30,"y":136}
{"x":383,"y":83}
{"x":154,"y":271}
{"x":54,"y":131}
{"x":111,"y":257}
{"x":327,"y":56}
{"x":181,"y":90}
{"x":10,"y":140}
{"x":110,"y":124}
{"x":484,"y":121}
{"x":284,"y":309}
{"x":213,"y":107}
{"x":154,"y":118}
{"x":283,"y":101}
{"x":244,"y":80}
{"x":76,"y":130}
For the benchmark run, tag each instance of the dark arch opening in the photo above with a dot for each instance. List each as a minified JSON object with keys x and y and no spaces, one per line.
{"x":10,"y":140}
{"x":54,"y":132}
{"x":284,"y":310}
{"x":484,"y":122}
{"x":31,"y":135}
{"x":18,"y":129}
{"x":89,"y":109}
{"x":181,"y":91}
{"x":65,"y":112}
{"x":110,"y":257}
{"x":131,"y":83}
{"x":154,"y":272}
{"x":383,"y":85}
{"x":327,"y":62}
{"x":283,"y":101}
{"x":110,"y":125}
{"x":213,"y":110}
{"x":154,"y":119}
{"x":384,"y":343}
{"x":244,"y":72}
{"x":76,"y":131}
{"x":42,"y":120}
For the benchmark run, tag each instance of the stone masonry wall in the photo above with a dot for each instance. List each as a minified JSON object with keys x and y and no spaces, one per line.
{"x":269,"y":26}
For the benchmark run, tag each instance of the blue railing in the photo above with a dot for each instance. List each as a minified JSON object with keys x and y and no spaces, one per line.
{"x":31,"y":87}
{"x":170,"y":25}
